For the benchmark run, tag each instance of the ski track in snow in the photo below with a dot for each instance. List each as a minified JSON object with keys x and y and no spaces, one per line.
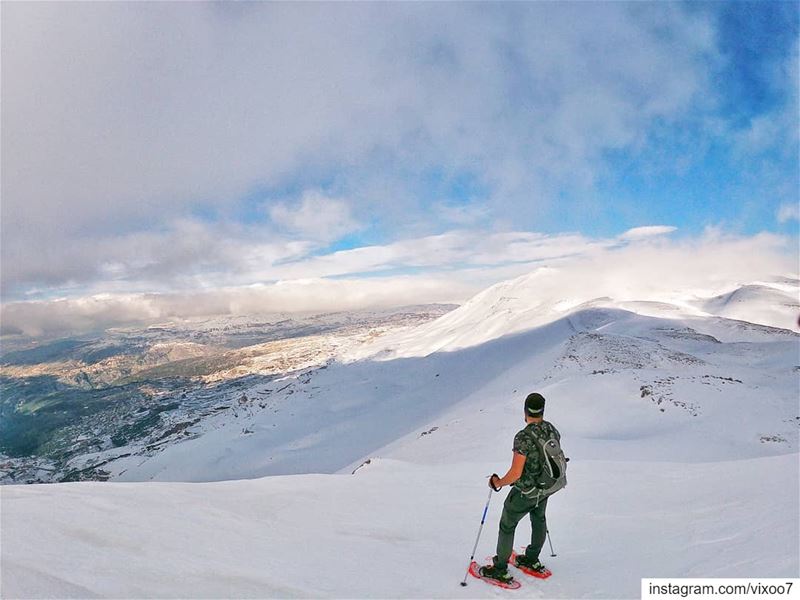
{"x":682,"y":429}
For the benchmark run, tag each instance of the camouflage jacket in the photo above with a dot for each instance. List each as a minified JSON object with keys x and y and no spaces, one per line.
{"x":525,"y":444}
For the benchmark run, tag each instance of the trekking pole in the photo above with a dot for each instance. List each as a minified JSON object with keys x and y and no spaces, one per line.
{"x":475,"y":547}
{"x":551,"y":543}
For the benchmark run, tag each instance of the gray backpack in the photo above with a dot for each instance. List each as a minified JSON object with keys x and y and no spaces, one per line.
{"x":554,"y":469}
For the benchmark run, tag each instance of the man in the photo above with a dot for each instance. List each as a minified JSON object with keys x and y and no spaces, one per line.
{"x":526,"y":467}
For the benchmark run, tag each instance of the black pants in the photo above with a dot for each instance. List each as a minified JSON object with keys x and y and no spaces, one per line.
{"x":515,"y":508}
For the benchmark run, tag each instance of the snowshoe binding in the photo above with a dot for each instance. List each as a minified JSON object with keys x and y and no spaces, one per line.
{"x":493,"y":576}
{"x":530,"y":566}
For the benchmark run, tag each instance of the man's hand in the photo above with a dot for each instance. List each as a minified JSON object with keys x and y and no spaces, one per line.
{"x":494,"y":482}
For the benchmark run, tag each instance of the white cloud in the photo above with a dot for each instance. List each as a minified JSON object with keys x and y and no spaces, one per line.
{"x":788,"y":212}
{"x":75,"y":315}
{"x":638,"y":233}
{"x":184,"y":253}
{"x":317,"y":217}
{"x":189,"y":255}
{"x":220,"y":100}
{"x":447,"y":251}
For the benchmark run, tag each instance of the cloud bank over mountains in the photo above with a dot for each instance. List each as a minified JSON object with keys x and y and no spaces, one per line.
{"x":451,"y":268}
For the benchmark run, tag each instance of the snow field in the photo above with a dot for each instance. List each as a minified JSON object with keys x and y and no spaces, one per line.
{"x":396,"y":530}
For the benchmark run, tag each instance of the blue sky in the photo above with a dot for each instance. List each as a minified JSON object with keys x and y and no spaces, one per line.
{"x":753,"y":36}
{"x":682,"y":173}
{"x":169,"y":148}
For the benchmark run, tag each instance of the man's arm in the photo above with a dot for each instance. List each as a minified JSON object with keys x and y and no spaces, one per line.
{"x":514,"y":472}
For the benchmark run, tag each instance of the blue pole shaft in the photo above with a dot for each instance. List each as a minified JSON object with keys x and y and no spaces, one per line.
{"x":480,"y":529}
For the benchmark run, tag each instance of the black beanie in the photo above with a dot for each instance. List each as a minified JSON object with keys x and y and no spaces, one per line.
{"x":534,"y":405}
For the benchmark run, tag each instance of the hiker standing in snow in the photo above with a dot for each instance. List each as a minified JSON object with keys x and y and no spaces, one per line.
{"x":533,"y":483}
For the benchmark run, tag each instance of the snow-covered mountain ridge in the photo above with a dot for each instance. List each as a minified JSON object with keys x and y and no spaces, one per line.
{"x":678,"y":386}
{"x":542,"y":296}
{"x":242,"y":400}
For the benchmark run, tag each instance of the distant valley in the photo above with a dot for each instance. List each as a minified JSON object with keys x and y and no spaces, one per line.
{"x":70,"y":407}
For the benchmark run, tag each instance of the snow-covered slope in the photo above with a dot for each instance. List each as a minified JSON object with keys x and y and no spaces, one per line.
{"x":771,"y":304}
{"x":678,"y":387}
{"x":682,"y":428}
